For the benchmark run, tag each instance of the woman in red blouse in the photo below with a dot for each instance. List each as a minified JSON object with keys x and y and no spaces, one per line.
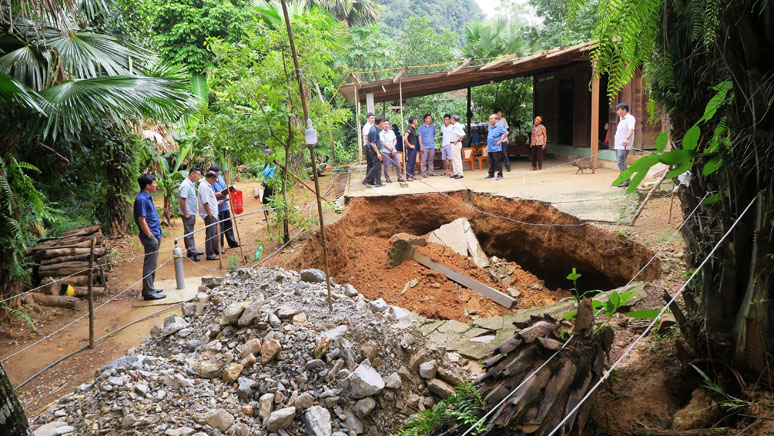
{"x":538,"y":143}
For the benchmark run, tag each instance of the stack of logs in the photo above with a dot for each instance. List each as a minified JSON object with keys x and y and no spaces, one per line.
{"x":65,"y":261}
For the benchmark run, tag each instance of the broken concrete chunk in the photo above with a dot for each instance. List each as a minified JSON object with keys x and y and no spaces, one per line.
{"x":364,"y":381}
{"x":212,"y":281}
{"x":428,"y":369}
{"x":379,"y":305}
{"x":317,"y":421}
{"x":402,"y":248}
{"x":232,"y":313}
{"x":440,"y":388}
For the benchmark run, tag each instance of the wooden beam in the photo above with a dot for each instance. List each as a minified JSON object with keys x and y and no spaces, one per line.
{"x":528,"y":58}
{"x":399,"y":75}
{"x":356,"y":81}
{"x":594,"y":122}
{"x":498,"y":61}
{"x":461,"y":66}
{"x":491,"y":293}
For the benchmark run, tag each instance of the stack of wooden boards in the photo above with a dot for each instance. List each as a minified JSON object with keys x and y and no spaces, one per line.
{"x":65,"y":261}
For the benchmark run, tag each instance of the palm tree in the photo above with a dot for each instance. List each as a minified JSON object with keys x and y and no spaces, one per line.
{"x":351,"y":12}
{"x":490,"y":38}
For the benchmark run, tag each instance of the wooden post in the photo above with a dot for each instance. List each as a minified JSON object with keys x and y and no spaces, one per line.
{"x":594,"y":121}
{"x":359,"y":130}
{"x":91,"y":296}
{"x":469,"y":114}
{"x":402,"y":125}
{"x":12,"y":419}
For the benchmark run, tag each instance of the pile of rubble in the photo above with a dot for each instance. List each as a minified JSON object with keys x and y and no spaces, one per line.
{"x":260,"y":353}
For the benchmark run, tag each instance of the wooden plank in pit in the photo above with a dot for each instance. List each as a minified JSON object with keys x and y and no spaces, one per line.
{"x":490,"y":293}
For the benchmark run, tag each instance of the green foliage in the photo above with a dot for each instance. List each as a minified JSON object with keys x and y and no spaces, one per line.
{"x":459,"y":408}
{"x":287,"y":210}
{"x":21,"y":314}
{"x":181,"y":28}
{"x":441,"y":16}
{"x":561,"y":23}
{"x":729,"y":402}
{"x":615,"y":302}
{"x":491,"y":38}
{"x":169,"y":177}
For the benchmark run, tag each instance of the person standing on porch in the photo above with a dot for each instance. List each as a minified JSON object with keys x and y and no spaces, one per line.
{"x":370,"y":121}
{"x":624,"y":138}
{"x":494,"y":146}
{"x":446,"y":152}
{"x":502,"y":122}
{"x":411,"y":146}
{"x":389,"y":153}
{"x":537,"y":143}
{"x":373,"y":176}
{"x":427,"y":146}
{"x":457,"y":134}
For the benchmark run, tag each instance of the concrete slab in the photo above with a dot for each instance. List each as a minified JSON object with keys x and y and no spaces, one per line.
{"x":586,"y":196}
{"x":173,"y":294}
{"x":454,"y":326}
{"x":489,"y":323}
{"x":451,"y":235}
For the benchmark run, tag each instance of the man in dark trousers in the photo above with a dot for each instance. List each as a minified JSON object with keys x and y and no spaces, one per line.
{"x":494,"y":146}
{"x":412,"y":147}
{"x":224,"y":214}
{"x":373,"y":176}
{"x":147,"y":219}
{"x":187,"y":203}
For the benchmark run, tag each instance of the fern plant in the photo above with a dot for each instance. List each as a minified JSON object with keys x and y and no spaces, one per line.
{"x":459,"y":409}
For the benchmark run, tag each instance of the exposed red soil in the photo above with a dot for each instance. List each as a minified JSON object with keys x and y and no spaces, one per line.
{"x":357,"y":251}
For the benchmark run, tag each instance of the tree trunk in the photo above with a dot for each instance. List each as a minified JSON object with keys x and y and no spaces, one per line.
{"x":544,"y":399}
{"x":13,"y":422}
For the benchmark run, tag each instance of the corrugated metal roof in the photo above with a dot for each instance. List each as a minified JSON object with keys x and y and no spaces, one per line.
{"x":464,"y":76}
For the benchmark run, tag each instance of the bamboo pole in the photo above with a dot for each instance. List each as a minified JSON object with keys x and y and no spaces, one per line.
{"x":311,"y":153}
{"x":91,"y":296}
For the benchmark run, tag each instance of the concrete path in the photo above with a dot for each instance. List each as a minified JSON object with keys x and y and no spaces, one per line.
{"x":586,"y":196}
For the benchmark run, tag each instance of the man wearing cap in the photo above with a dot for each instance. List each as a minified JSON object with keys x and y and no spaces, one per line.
{"x":224,"y":214}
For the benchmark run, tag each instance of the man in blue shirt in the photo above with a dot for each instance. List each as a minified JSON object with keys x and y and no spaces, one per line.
{"x":224,"y":214}
{"x":427,"y":147}
{"x":494,"y":146}
{"x":147,"y":219}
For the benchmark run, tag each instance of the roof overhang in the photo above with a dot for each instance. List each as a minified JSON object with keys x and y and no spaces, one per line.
{"x":465,"y":76}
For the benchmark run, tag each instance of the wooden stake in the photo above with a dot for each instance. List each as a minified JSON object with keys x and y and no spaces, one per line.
{"x":91,"y":296}
{"x":647,"y":197}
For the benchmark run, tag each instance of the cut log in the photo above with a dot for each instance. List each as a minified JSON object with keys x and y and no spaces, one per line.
{"x":63,"y":269}
{"x":82,"y":280}
{"x":62,"y":252}
{"x":75,"y":257}
{"x":60,"y":243}
{"x":544,"y":395}
{"x":54,"y":300}
{"x":83,"y":232}
{"x":83,"y":291}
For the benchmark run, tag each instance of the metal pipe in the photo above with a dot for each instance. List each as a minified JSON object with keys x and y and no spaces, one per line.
{"x":177,"y":254}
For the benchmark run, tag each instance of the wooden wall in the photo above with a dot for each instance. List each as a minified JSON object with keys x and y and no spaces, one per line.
{"x":563,"y":98}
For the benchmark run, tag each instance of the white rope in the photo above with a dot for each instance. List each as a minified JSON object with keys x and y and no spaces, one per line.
{"x":629,"y":349}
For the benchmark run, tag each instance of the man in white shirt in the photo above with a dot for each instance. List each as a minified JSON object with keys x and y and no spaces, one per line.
{"x":370,"y":119}
{"x":187,"y":203}
{"x":624,"y":137}
{"x":389,"y":142}
{"x":502,"y":122}
{"x":446,"y":154}
{"x":208,"y":209}
{"x":458,"y":133}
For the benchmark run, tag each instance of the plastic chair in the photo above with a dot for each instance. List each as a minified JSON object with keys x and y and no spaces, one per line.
{"x":483,"y":158}
{"x":468,"y":155}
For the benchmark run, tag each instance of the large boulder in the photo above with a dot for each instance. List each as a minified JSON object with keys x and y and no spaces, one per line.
{"x":363,"y":382}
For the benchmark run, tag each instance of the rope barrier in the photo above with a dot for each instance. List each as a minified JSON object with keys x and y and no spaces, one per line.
{"x":663,"y":247}
{"x":629,"y":349}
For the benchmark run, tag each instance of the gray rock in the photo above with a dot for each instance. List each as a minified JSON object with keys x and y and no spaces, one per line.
{"x":353,"y":423}
{"x":50,"y":429}
{"x":141,"y":388}
{"x":336,"y":333}
{"x":364,"y":406}
{"x":252,"y":312}
{"x":171,"y":325}
{"x":379,"y":305}
{"x":274,"y":320}
{"x":514,"y":292}
{"x":212,"y":281}
{"x":350,"y":291}
{"x":281,"y":418}
{"x":184,"y":333}
{"x":317,"y":421}
{"x":440,"y":388}
{"x":364,"y":381}
{"x":304,"y":401}
{"x":239,"y":429}
{"x":127,"y":421}
{"x":392,"y":381}
{"x":245,"y":388}
{"x":449,"y":376}
{"x":122,"y":362}
{"x":312,"y":275}
{"x":232,"y":313}
{"x":428,"y":369}
{"x":219,"y":419}
{"x":208,"y":368}
{"x":180,"y":382}
{"x":314,"y":364}
{"x":286,"y":312}
{"x":188,"y":309}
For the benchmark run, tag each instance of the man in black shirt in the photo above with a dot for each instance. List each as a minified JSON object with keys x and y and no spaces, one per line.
{"x":374,"y":174}
{"x":410,"y":143}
